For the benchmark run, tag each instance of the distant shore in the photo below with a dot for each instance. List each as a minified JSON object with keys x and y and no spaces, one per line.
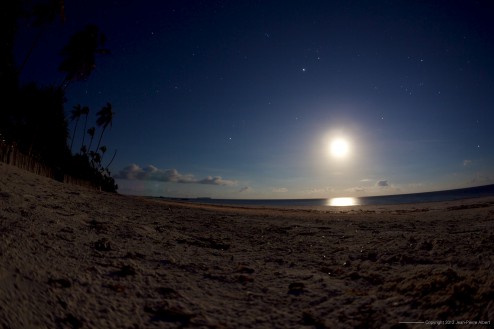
{"x":72,"y":257}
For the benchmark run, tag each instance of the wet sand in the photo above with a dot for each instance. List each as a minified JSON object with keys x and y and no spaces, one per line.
{"x":75,"y":258}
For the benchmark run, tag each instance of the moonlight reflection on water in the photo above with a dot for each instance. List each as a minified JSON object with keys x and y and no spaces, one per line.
{"x":342,"y":202}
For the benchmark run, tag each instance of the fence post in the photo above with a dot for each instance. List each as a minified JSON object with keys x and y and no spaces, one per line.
{"x":10,"y":155}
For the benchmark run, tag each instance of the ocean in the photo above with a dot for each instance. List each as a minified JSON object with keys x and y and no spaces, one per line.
{"x":448,"y":195}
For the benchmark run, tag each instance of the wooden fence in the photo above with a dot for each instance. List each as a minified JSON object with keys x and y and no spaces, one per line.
{"x":9,"y":154}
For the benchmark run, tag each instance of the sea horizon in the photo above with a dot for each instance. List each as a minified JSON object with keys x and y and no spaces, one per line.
{"x":391,"y":199}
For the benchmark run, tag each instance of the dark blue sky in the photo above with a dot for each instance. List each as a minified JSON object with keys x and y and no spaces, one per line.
{"x":241,"y":99}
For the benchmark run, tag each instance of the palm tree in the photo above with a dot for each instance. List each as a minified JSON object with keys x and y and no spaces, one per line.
{"x":91,"y":132}
{"x":43,"y":14}
{"x":95,"y":159}
{"x":105,"y":119}
{"x":75,"y":114}
{"x":79,"y":54}
{"x":103,"y":150}
{"x":85,"y":111}
{"x":109,"y":163}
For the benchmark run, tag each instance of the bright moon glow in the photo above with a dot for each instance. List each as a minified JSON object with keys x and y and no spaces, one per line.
{"x":339,"y":148}
{"x":342,"y":202}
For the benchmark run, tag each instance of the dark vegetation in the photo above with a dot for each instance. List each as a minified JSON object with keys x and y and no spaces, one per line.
{"x":35,"y":121}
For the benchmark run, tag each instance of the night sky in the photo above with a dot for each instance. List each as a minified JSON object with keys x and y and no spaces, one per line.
{"x":242,"y":99}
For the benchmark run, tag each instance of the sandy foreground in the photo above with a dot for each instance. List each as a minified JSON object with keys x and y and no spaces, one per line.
{"x":76,"y":258}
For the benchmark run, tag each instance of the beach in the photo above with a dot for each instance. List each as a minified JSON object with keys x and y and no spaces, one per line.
{"x":72,"y":257}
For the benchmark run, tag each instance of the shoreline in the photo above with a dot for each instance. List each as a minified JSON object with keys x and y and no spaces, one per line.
{"x":474,"y":192}
{"x":76,"y":258}
{"x":468,"y":203}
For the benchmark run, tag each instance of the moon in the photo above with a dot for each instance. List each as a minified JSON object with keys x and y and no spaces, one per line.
{"x":339,"y":148}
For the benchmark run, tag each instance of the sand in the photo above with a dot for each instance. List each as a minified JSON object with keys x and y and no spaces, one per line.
{"x":76,"y":258}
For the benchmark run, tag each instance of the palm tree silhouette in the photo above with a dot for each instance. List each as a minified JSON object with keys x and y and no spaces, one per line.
{"x":80,"y":54}
{"x":103,"y":150}
{"x":43,"y":14}
{"x":91,"y":132}
{"x":105,"y":119}
{"x":109,"y":163}
{"x":85,"y":111}
{"x":75,"y":114}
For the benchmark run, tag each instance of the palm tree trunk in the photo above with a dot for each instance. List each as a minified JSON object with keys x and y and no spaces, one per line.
{"x":30,"y":51}
{"x":84,"y":132}
{"x":100,"y":138}
{"x":90,"y":143}
{"x":65,"y":83}
{"x":73,"y":135}
{"x":113,"y":157}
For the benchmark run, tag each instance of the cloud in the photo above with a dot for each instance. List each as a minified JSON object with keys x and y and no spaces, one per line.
{"x":245,"y":189}
{"x":152,"y":173}
{"x":466,"y":163}
{"x":280,"y":190}
{"x":318,"y":190}
{"x":382,"y":183}
{"x":216,"y":181}
{"x":356,"y":189}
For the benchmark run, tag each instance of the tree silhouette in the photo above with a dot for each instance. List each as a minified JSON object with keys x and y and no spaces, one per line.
{"x":105,"y":119}
{"x":103,"y":150}
{"x":85,"y":111}
{"x":109,"y":163}
{"x":80,"y":54}
{"x":34,"y":121}
{"x":90,"y":132}
{"x":8,"y":73}
{"x":43,"y":14}
{"x":75,"y":115}
{"x":40,"y":124}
